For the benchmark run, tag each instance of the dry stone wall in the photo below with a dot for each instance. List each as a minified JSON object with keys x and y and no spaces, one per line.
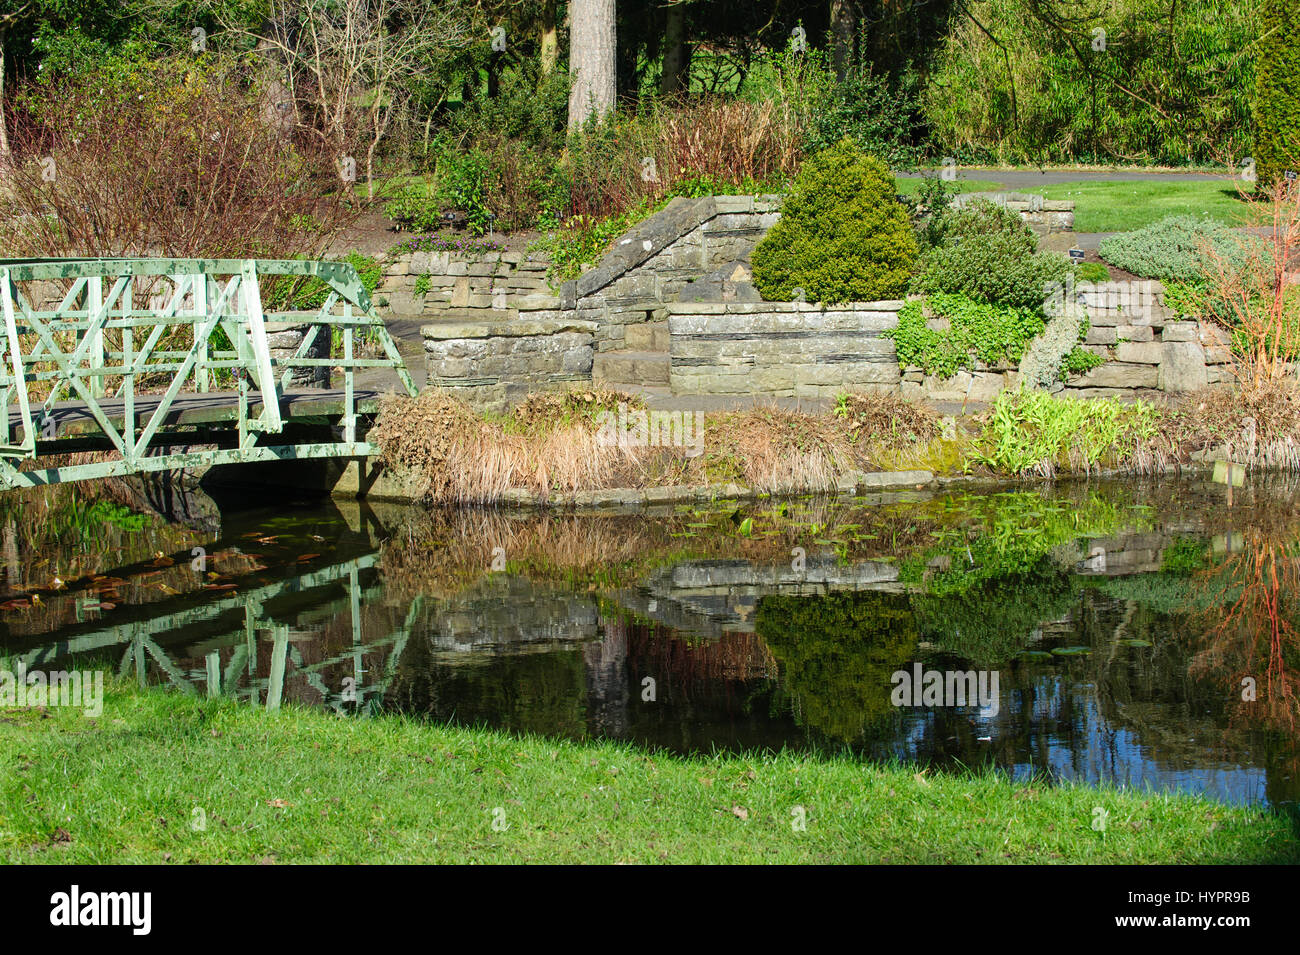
{"x":793,"y":349}
{"x":781,"y":349}
{"x":658,"y":260}
{"x":443,"y":284}
{"x":493,"y":365}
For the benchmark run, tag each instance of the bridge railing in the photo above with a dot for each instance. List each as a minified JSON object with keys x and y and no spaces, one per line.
{"x":106,"y":332}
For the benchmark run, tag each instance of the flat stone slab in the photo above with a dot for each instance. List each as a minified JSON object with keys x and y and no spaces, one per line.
{"x":518,"y":328}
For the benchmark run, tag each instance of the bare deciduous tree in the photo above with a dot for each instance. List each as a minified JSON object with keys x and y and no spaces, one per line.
{"x":348,"y":65}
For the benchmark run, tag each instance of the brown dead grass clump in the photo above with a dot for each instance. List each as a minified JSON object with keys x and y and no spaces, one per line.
{"x":542,"y":410}
{"x":773,"y":450}
{"x":554,"y":442}
{"x":461,"y":458}
{"x":1258,"y":427}
{"x":887,"y":418}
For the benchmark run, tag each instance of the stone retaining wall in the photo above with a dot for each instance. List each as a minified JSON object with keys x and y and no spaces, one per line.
{"x":493,"y":365}
{"x":1146,"y":344}
{"x":438,"y":283}
{"x":782,"y":349}
{"x":799,"y":350}
{"x":1044,"y":216}
{"x":284,"y":340}
{"x":651,"y":265}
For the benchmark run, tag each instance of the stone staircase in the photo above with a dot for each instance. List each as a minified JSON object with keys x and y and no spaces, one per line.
{"x":641,"y":365}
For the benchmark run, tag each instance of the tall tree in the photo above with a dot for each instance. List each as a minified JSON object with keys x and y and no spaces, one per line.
{"x":1277,"y":109}
{"x":549,"y":36}
{"x":843,"y":28}
{"x":677,"y":51}
{"x":592,"y":70}
{"x":7,"y":21}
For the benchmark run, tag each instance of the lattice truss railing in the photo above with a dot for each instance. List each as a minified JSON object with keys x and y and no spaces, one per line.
{"x":107,"y":333}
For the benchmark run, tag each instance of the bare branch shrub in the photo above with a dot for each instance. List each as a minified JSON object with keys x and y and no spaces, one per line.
{"x":1259,"y":300}
{"x":174,"y":159}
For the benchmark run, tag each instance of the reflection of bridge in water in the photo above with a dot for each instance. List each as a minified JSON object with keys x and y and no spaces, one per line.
{"x":236,"y":623}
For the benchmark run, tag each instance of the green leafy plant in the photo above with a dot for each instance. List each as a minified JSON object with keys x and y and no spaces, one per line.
{"x":1185,"y":298}
{"x":992,"y":334}
{"x":1034,"y":432}
{"x":580,"y":242}
{"x":842,"y":235}
{"x":1092,"y":272}
{"x":877,"y":111}
{"x":929,"y":209}
{"x":1079,"y":361}
{"x":1177,"y":248}
{"x":990,"y":255}
{"x":416,"y":207}
{"x":284,"y":294}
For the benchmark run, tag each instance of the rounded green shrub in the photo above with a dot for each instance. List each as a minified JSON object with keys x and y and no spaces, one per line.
{"x":1174,"y":249}
{"x":990,"y":255}
{"x":842,"y":235}
{"x":1276,"y":107}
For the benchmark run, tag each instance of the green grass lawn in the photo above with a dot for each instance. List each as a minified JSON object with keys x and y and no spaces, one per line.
{"x":1124,"y":206}
{"x":909,"y":186}
{"x":305,"y":786}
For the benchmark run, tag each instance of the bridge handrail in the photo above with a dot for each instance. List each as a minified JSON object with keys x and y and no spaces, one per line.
{"x":207,"y":295}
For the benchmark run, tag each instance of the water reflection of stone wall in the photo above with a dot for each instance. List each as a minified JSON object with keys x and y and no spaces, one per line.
{"x":508,"y":613}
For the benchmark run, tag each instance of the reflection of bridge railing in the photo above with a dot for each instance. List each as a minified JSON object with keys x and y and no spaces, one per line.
{"x":145,"y":640}
{"x":117,"y":341}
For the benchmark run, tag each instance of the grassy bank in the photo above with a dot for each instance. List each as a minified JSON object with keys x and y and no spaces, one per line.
{"x":556,"y":443}
{"x":304,"y":786}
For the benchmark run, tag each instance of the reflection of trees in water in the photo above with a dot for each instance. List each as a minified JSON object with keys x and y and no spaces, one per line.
{"x":1254,"y":636}
{"x":993,"y":620}
{"x":529,"y":692}
{"x":837,"y":654}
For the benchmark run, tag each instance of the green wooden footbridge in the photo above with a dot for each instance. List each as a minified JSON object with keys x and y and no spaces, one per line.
{"x":111,"y":367}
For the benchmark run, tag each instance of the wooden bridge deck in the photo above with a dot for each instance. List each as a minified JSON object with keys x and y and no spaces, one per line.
{"x":214,"y":408}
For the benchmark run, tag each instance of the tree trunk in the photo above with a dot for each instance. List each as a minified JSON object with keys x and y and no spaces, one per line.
{"x":842,"y":29}
{"x":677,"y":53}
{"x":591,"y":60}
{"x":549,"y":41}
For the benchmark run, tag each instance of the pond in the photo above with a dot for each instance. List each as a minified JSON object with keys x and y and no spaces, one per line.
{"x":1135,"y":633}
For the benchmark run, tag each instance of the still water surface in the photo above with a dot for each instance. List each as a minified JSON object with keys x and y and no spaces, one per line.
{"x":1127,"y":625}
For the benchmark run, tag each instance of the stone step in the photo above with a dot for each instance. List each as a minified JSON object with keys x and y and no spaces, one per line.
{"x":647,"y":336}
{"x":631,"y":367}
